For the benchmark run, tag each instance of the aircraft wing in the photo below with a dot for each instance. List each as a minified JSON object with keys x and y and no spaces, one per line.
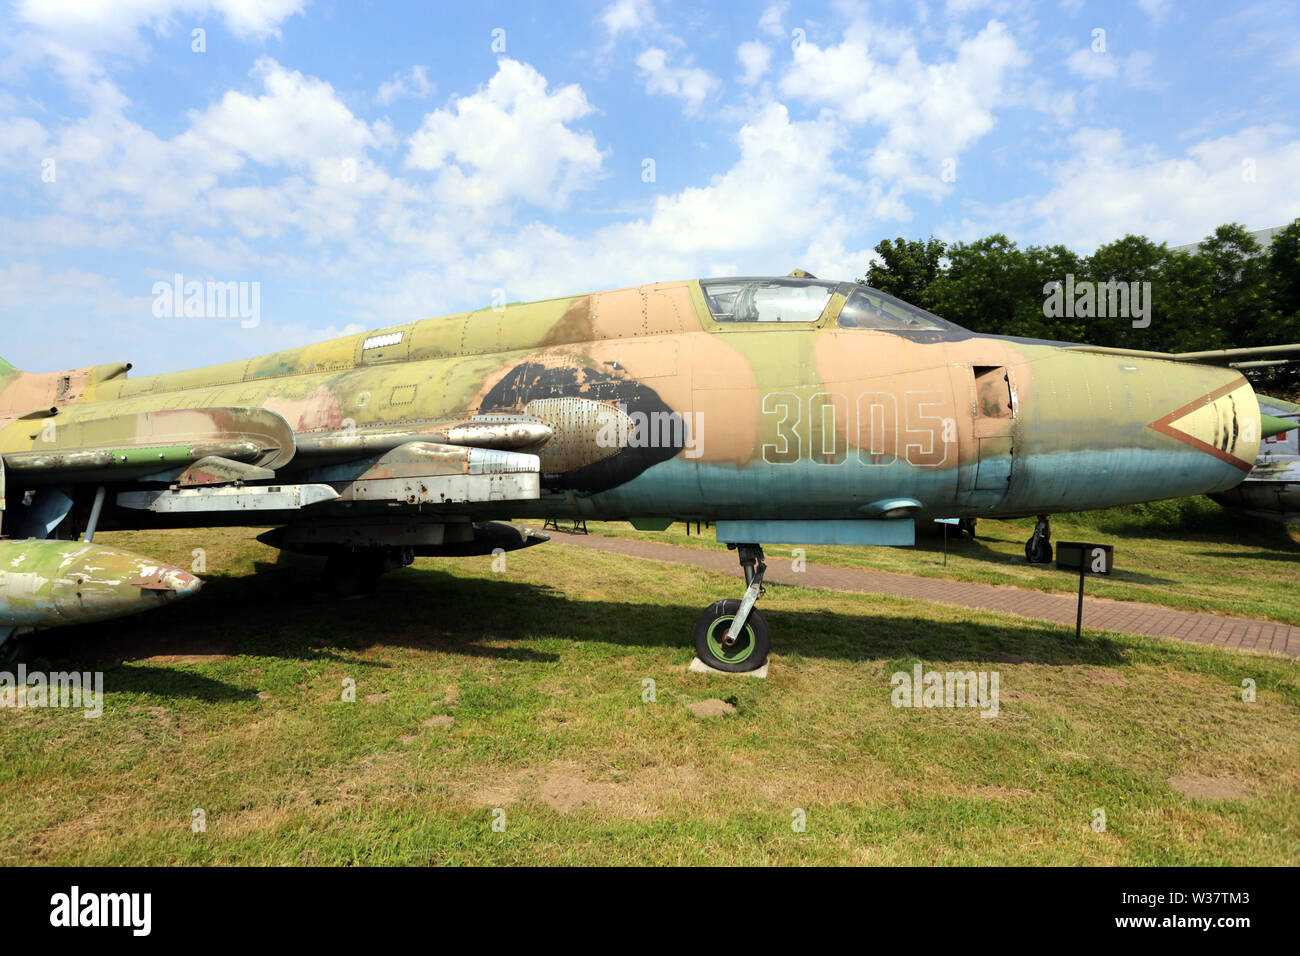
{"x":239,"y":459}
{"x":212,"y":445}
{"x":82,"y":443}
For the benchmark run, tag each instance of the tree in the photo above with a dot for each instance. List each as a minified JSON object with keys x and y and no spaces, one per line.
{"x":1283,"y":258}
{"x":1228,"y":294}
{"x":993,"y":286}
{"x":1284,"y":277}
{"x":1182,"y":298}
{"x":907,"y":269}
{"x":1133,"y":259}
{"x":1041,"y":267}
{"x":1238,"y":312}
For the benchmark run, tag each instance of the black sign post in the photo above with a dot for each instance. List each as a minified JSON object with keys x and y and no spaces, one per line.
{"x":945,"y":522}
{"x":1086,"y":559}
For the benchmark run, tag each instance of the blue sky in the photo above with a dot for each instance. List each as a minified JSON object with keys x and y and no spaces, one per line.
{"x":368,"y":164}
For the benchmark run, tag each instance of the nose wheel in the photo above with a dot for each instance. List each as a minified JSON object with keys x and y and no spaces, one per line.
{"x":1038,"y":549}
{"x":749,"y":650}
{"x":731,"y":635}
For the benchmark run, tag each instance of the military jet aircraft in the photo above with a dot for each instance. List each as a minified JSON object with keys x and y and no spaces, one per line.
{"x":783,"y":410}
{"x":1272,"y":489}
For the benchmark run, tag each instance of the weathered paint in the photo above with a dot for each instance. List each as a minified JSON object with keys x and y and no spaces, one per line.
{"x":795,"y":420}
{"x":106,"y":440}
{"x":52,"y":583}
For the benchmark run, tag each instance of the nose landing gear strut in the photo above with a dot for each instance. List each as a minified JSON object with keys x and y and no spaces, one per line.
{"x":731,"y":635}
{"x":1038,"y":549}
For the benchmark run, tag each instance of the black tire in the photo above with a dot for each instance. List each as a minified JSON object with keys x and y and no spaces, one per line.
{"x":1038,"y":550}
{"x":750,"y":651}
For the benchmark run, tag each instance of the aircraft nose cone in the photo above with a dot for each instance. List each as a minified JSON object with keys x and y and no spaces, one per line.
{"x":1103,"y":430}
{"x":1218,"y":416}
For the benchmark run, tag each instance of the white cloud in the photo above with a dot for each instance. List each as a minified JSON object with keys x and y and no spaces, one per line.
{"x":109,"y":24}
{"x":770,"y":21}
{"x":35,"y":298}
{"x":79,"y":38}
{"x":22,"y":139}
{"x":119,"y":180}
{"x":32,"y":286}
{"x":111,"y":169}
{"x":61,"y":229}
{"x":1091,"y":65}
{"x":268,"y":162}
{"x":510,"y":139}
{"x":299,"y":121}
{"x":931,"y":112}
{"x":784,"y":189}
{"x":1137,"y":70}
{"x":627,"y":15}
{"x":755,"y":58}
{"x":1107,"y":188}
{"x":413,"y":83}
{"x":1155,"y":9}
{"x":280,"y":182}
{"x":783,"y":197}
{"x":688,"y":83}
{"x":959,"y":8}
{"x":282,"y":179}
{"x":783,"y":204}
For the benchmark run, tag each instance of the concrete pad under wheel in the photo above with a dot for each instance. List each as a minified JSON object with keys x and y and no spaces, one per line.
{"x":699,"y":667}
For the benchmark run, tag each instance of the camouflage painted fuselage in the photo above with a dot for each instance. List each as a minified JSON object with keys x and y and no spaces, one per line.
{"x":656,"y":408}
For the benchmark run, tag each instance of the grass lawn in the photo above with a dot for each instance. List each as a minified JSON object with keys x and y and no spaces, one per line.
{"x":1188,"y":554}
{"x":519,"y":697}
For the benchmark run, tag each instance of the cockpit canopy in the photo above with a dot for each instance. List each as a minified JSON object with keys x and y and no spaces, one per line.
{"x":750,"y":300}
{"x":767,"y":300}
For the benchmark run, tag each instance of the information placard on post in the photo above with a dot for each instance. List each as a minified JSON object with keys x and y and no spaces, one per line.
{"x":1081,"y":556}
{"x":1086,"y":558}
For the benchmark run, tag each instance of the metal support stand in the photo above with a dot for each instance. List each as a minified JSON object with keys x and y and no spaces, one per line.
{"x":95,"y":509}
{"x":1078,"y":619}
{"x":578,"y":526}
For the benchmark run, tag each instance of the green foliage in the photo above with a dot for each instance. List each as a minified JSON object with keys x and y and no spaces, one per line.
{"x":1283,"y":271}
{"x":909,"y":268}
{"x":1230,"y":294}
{"x":1173,"y":517}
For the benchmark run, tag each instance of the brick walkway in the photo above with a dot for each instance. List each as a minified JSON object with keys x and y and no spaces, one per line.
{"x":1124,"y":616}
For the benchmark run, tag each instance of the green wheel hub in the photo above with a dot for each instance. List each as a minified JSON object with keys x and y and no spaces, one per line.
{"x":740,"y":651}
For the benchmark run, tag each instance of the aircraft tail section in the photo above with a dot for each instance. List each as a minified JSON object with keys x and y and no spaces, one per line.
{"x":24,"y":393}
